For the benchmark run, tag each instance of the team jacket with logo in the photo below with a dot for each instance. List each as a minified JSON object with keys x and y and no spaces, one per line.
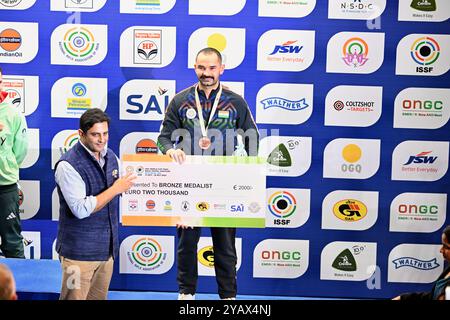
{"x":231,"y":115}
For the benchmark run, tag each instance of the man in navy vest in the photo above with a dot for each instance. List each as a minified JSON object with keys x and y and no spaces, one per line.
{"x":88,"y":183}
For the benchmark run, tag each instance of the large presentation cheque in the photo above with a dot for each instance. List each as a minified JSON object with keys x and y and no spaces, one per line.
{"x":203,"y":191}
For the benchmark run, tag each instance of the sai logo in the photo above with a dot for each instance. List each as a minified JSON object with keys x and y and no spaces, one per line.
{"x":350,"y":210}
{"x":145,"y":99}
{"x":282,"y":205}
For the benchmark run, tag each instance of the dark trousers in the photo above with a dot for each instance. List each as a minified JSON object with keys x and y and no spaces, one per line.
{"x":10,"y":229}
{"x":225,"y":260}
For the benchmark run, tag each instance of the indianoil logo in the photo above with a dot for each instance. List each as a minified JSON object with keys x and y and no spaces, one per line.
{"x":350,"y":210}
{"x":10,"y":40}
{"x":206,"y":256}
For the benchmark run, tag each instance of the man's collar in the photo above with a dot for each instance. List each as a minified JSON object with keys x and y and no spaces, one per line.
{"x":213,"y":92}
{"x":102,"y":153}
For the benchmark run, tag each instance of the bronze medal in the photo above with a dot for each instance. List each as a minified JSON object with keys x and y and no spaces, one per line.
{"x":204,"y":143}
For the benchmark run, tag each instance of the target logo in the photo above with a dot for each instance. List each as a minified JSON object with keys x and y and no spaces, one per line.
{"x":338,"y":105}
{"x":282,"y":204}
{"x":425,"y":51}
{"x":79,"y":44}
{"x":147,"y":252}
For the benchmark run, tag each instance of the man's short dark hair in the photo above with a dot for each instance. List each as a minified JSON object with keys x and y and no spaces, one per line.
{"x":447,"y":232}
{"x":208,"y":51}
{"x":91,"y":117}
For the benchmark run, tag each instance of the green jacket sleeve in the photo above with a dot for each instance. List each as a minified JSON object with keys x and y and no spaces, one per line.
{"x":20,"y":145}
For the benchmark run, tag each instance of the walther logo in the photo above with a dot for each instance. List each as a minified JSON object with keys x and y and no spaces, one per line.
{"x":293,"y":105}
{"x":350,"y":210}
{"x":345,"y":261}
{"x":415,"y":263}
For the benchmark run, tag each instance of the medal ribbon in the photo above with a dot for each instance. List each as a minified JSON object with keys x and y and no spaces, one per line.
{"x":200,"y":113}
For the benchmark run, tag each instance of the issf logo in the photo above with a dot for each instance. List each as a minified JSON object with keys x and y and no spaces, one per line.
{"x":282,"y":205}
{"x":425,"y":51}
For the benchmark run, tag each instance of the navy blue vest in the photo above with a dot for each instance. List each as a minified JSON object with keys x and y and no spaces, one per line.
{"x":94,"y":238}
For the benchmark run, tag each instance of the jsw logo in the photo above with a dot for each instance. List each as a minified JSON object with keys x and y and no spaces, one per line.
{"x":287,"y":48}
{"x":421,"y":158}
